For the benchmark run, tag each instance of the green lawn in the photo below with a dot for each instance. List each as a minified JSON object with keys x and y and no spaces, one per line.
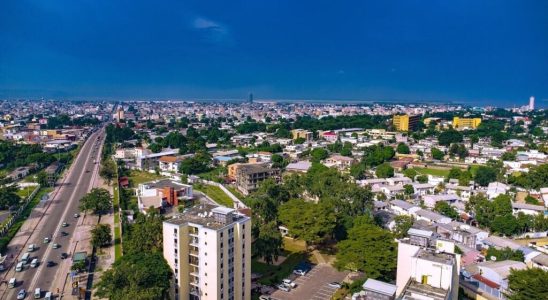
{"x":271,"y":274}
{"x":23,"y":193}
{"x":216,"y":194}
{"x":435,"y":172}
{"x":235,"y":192}
{"x":137,"y":177}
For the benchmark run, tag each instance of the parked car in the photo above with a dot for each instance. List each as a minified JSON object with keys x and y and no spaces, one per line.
{"x":77,"y":215}
{"x":264,"y":297}
{"x":335,"y":285}
{"x":289,"y":283}
{"x":284,"y":288}
{"x":299,"y":272}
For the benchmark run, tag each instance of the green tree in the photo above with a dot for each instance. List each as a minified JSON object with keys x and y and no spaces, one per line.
{"x":445,"y":209}
{"x":384,"y":171}
{"x":358,"y":171}
{"x":98,"y":200}
{"x":504,"y":254}
{"x":8,"y":196}
{"x":143,"y":275}
{"x":108,"y":170}
{"x":318,"y":154}
{"x":199,"y":163}
{"x":422,"y":178}
{"x":267,"y":242}
{"x":42,"y":178}
{"x":437,"y":154}
{"x":408,"y":190}
{"x":530,"y":283}
{"x":403,"y":148}
{"x":402,"y":225}
{"x":410,"y":173}
{"x":508,"y":156}
{"x":145,"y":235}
{"x":101,"y":236}
{"x":448,"y":137}
{"x":485,"y":175}
{"x":308,"y":221}
{"x":368,"y":249}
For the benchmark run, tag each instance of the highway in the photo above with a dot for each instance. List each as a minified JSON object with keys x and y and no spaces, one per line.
{"x":48,"y":218}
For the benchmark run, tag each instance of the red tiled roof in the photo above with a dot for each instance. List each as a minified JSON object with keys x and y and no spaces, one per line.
{"x":168,"y":159}
{"x":487,"y":282}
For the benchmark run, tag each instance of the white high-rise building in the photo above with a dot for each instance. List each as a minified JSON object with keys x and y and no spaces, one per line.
{"x":209,"y":251}
{"x":532,"y":103}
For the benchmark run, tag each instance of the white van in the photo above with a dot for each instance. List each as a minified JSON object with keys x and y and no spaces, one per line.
{"x":34,"y":263}
{"x":12,"y":283}
{"x":49,"y":296}
{"x":37,"y":293}
{"x":19,"y":267}
{"x":25,"y":258}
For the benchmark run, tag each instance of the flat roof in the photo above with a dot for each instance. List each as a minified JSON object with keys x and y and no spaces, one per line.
{"x":380,"y":287}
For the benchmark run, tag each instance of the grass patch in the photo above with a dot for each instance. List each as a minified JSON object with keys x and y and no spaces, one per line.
{"x":272,"y":275}
{"x":235,"y":192}
{"x":216,"y":194}
{"x":5,"y":240}
{"x":293,"y":245}
{"x":136,"y":177}
{"x":26,"y":191}
{"x":434,"y":172}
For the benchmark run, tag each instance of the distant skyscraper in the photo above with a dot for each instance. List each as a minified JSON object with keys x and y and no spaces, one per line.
{"x":532,"y":103}
{"x":250,"y":97}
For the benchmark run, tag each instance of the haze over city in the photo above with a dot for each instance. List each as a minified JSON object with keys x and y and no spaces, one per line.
{"x":478,"y":53}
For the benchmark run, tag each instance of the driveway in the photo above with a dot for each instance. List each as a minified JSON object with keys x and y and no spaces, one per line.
{"x":314,"y":285}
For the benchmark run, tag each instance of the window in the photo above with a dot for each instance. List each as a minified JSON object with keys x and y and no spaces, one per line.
{"x":175,"y":241}
{"x":175,"y":230}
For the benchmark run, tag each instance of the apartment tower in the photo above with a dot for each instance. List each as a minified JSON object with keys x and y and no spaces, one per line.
{"x":209,"y":251}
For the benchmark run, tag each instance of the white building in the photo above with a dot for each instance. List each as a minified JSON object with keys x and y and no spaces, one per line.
{"x":495,"y":189}
{"x":425,"y":273}
{"x":528,"y":209}
{"x":209,"y":251}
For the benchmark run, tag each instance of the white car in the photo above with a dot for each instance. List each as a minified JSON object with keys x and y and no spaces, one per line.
{"x":289,"y":283}
{"x":22,"y":294}
{"x":299,"y":272}
{"x":264,"y":297}
{"x":335,"y":285}
{"x":284,"y":288}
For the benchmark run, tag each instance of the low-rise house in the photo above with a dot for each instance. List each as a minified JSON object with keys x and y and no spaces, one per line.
{"x":299,"y":167}
{"x":528,"y":209}
{"x":495,"y":189}
{"x":490,"y":277}
{"x":391,"y":191}
{"x":422,"y":189}
{"x":431,"y":200}
{"x":431,"y":217}
{"x":500,"y":243}
{"x":464,"y":234}
{"x":147,"y":162}
{"x":169,"y":163}
{"x":463,"y":192}
{"x":540,"y":261}
{"x":376,"y":290}
{"x":338,"y":161}
{"x":400,"y":207}
{"x":170,"y":191}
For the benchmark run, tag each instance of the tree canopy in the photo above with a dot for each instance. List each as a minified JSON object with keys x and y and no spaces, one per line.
{"x":530,"y":283}
{"x":98,"y":200}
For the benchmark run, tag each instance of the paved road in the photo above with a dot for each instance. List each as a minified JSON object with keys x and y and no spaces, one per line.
{"x":76,"y":183}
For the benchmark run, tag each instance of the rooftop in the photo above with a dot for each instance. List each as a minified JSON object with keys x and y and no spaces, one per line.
{"x":416,"y":290}
{"x":206,"y":215}
{"x":379,"y":287}
{"x":439,"y":257}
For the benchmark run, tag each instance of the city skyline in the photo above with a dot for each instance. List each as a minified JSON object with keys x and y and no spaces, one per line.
{"x":456,"y":52}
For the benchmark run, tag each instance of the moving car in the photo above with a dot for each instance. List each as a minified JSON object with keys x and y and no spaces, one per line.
{"x":34,"y":263}
{"x":64,"y":255}
{"x":65,"y":224}
{"x":32,"y":247}
{"x":12,"y":283}
{"x":19,"y":267}
{"x":47,"y":240}
{"x":76,"y":215}
{"x":50,"y":263}
{"x":64,"y":233}
{"x":37,"y":293}
{"x":22,"y":294}
{"x":55,"y":246}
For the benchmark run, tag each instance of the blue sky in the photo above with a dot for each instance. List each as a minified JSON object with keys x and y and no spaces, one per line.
{"x":476,"y":51}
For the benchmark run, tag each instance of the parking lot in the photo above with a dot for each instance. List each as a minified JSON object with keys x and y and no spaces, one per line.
{"x":314,"y":285}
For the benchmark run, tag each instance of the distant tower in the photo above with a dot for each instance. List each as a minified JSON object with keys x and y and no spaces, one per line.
{"x":532,"y":103}
{"x":250,"y":97}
